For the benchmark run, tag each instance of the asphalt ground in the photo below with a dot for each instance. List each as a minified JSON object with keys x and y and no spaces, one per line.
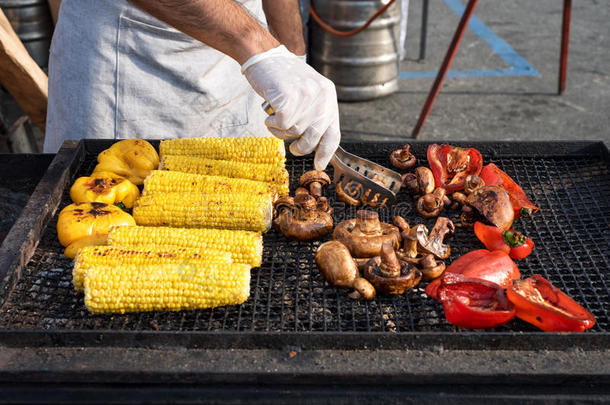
{"x":518,"y":104}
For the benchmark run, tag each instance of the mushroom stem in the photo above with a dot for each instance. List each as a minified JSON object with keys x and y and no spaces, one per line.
{"x":401,"y":223}
{"x":368,"y":222}
{"x":390,"y":265}
{"x":315,"y":189}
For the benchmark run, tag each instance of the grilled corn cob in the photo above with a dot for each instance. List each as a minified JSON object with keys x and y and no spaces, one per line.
{"x":244,"y":246}
{"x":225,"y":211}
{"x":268,"y":149}
{"x":165,"y":287}
{"x":92,"y":256}
{"x":270,"y":173}
{"x":161,"y":181}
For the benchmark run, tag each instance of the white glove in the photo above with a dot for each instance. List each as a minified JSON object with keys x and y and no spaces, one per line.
{"x":304,"y":101}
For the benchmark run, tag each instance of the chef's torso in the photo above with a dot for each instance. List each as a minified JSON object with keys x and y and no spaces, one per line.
{"x":116,"y":72}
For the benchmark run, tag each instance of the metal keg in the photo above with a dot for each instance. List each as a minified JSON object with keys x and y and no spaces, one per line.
{"x":31,"y":20}
{"x":363,"y":66}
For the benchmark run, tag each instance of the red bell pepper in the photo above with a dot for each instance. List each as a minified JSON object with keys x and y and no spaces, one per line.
{"x":492,"y":175}
{"x":540,"y":303}
{"x":511,"y":242}
{"x":451,"y":165}
{"x":495,"y":266}
{"x":474,"y":303}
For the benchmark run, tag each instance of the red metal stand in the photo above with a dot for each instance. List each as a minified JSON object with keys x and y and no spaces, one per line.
{"x":440,"y":77}
{"x":565,"y":40}
{"x":457,"y":37}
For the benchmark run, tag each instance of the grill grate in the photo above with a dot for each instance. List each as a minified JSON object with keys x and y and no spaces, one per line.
{"x":289,"y":295}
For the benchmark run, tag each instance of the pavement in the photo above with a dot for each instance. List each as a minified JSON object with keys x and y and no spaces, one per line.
{"x":487,"y":96}
{"x":520,"y":102}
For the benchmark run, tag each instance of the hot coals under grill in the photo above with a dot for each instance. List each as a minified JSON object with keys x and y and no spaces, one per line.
{"x":570,"y":186}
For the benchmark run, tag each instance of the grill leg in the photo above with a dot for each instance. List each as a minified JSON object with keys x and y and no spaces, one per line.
{"x":440,"y":77}
{"x":565,"y":40}
{"x":424,"y":30}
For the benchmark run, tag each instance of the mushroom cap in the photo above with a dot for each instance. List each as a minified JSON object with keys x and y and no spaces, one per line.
{"x":429,"y":212}
{"x":336,"y":264}
{"x":472,"y":182}
{"x":431,"y":268}
{"x":425,"y":180}
{"x":409,"y":278}
{"x":283,"y":203}
{"x":402,"y":158}
{"x":315,"y":225}
{"x":493,"y":203}
{"x":363,"y":245}
{"x":314,"y":175}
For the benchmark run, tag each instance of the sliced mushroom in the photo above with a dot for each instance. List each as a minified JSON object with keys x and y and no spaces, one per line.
{"x":314,"y":180}
{"x":493,"y":203}
{"x":348,"y":193}
{"x":391,"y":276}
{"x":433,"y":242}
{"x":403,"y":159}
{"x":431,"y":205}
{"x":303,"y":221}
{"x":339,"y":269}
{"x":419,"y":183}
{"x":365,"y":234}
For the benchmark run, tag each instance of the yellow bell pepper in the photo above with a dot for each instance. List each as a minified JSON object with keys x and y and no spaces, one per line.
{"x":85,"y":224}
{"x":104,"y":187}
{"x":133,"y":159}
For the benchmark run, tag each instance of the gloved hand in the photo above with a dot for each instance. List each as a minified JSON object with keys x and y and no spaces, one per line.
{"x":305,"y":102}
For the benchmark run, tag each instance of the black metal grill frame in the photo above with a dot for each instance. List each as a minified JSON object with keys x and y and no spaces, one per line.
{"x":570,"y":181}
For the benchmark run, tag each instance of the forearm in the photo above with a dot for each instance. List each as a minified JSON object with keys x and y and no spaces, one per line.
{"x":221,"y":24}
{"x":284,"y":21}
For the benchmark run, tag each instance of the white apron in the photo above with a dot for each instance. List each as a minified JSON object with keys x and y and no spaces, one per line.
{"x":116,"y":72}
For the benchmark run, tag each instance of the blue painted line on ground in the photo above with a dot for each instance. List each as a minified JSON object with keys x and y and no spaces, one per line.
{"x":518,"y":66}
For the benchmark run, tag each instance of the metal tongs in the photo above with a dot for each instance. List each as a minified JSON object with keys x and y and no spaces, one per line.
{"x":372,"y":184}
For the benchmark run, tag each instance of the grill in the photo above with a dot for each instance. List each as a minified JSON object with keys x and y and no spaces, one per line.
{"x":570,"y":182}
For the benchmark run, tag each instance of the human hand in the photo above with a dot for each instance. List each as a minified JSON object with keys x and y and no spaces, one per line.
{"x":304,"y":101}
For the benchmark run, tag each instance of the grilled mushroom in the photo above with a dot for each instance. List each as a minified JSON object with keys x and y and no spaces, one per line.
{"x":493,"y":203}
{"x":339,"y":269}
{"x":431,"y":205}
{"x":403,"y":159}
{"x":365,"y":234}
{"x":430,"y":267}
{"x":433,"y":242}
{"x":391,"y":276}
{"x":471,"y":183}
{"x":302,"y":221}
{"x":323,"y":205}
{"x":314,"y":180}
{"x":419,"y":183}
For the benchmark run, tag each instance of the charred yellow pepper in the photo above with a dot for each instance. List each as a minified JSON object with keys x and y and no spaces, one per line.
{"x":104,"y":187}
{"x":133,"y":159}
{"x":85,"y":224}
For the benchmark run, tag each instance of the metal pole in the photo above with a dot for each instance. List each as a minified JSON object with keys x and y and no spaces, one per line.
{"x":565,"y":40}
{"x":424,"y":30}
{"x":440,"y":77}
